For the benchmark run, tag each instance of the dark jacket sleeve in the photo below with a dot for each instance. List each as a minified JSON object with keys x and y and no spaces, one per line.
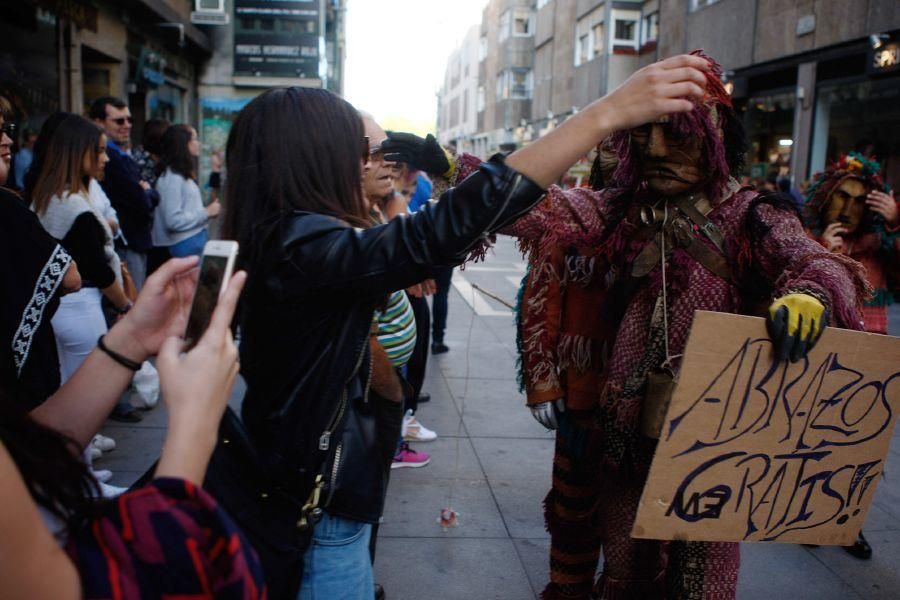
{"x":330,"y":256}
{"x":133,"y":203}
{"x":85,"y":243}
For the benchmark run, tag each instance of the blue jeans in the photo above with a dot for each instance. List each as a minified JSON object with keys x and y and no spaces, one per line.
{"x":337,"y":563}
{"x":192,"y":246}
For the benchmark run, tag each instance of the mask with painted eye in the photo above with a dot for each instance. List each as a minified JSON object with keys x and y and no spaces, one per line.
{"x":846,"y":204}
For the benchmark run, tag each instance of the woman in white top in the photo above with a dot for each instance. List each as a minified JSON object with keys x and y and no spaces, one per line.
{"x":76,"y":153}
{"x":179,"y":223}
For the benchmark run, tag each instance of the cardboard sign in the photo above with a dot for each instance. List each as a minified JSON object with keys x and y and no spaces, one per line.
{"x":753,"y":450}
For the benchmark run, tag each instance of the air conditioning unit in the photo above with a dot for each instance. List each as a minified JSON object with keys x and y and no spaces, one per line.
{"x":209,"y":12}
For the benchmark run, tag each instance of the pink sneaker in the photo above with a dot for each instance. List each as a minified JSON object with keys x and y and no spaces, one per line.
{"x":409,"y":458}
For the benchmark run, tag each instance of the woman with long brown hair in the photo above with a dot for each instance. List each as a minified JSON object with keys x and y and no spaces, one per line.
{"x":295,"y":159}
{"x":179,"y":225}
{"x":75,"y":154}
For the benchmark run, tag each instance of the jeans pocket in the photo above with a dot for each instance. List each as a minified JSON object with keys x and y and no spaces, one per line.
{"x":337,"y":531}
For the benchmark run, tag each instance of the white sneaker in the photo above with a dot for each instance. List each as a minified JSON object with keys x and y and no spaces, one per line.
{"x":413,"y":431}
{"x":93,"y":452}
{"x":102,"y":475}
{"x":103,"y":443}
{"x":111,"y":491}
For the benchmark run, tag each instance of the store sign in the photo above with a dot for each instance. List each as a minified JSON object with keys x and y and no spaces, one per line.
{"x":886,"y":58}
{"x":279,"y":38}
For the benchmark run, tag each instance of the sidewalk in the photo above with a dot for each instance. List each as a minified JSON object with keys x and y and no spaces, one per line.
{"x":492,"y":464}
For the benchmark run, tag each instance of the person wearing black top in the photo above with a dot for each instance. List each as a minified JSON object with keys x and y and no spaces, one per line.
{"x":32,"y":284}
{"x":133,"y":198}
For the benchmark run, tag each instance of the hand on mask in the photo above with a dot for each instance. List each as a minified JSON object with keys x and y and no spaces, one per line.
{"x":545,"y":412}
{"x":796,"y":322}
{"x":423,"y":154}
{"x":833,"y":237}
{"x":884,"y":205}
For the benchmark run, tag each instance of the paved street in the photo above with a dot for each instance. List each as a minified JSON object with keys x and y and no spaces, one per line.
{"x":492,"y":464}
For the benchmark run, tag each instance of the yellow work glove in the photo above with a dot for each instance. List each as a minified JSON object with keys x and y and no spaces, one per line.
{"x":796,"y":322}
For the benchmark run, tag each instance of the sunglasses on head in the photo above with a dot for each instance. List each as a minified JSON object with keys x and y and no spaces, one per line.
{"x":122,"y":120}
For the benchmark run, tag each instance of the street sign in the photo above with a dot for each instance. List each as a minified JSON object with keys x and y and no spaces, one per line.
{"x":277,"y":38}
{"x":753,"y":450}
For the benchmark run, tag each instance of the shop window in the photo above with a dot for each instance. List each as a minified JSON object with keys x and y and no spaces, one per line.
{"x":651,"y":27}
{"x":523,"y":23}
{"x":504,"y":26}
{"x":625,"y":28}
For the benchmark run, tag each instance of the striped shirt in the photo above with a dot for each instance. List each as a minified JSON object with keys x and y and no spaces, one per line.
{"x":397,"y":329}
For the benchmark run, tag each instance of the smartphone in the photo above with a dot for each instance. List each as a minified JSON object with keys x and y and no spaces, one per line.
{"x":216,"y":267}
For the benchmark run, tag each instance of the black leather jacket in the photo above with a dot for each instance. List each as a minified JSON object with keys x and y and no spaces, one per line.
{"x":306,"y":316}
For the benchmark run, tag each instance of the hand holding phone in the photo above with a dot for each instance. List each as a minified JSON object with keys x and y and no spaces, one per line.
{"x":216,"y":268}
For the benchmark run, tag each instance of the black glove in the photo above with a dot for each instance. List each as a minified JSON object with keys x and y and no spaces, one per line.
{"x":424,"y":155}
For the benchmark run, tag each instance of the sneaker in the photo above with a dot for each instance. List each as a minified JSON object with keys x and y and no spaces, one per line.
{"x":93,"y":453}
{"x":103,"y":443}
{"x":409,"y":458}
{"x":439,"y":348}
{"x":102,"y":475}
{"x":111,"y":491}
{"x":413,"y":431}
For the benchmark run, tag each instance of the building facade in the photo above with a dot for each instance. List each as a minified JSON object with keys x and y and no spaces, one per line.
{"x":541,"y":60}
{"x":189,"y":61}
{"x":814,"y":78}
{"x":62,"y":54}
{"x":458,"y":97}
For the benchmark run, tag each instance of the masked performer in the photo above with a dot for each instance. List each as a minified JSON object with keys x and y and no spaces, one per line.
{"x":850,"y":212}
{"x":677,"y":235}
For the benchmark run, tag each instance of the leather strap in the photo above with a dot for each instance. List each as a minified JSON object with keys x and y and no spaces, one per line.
{"x":707,"y":227}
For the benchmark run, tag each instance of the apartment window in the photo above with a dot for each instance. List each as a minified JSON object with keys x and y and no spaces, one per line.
{"x":589,"y":36}
{"x":482,"y":48}
{"x":599,"y":39}
{"x":465,"y":106}
{"x":583,"y":50}
{"x":698,"y":4}
{"x":625,"y":28}
{"x":505,"y":20}
{"x":543,"y":3}
{"x":523,"y":23}
{"x":520,"y":83}
{"x":651,"y":27}
{"x":479,"y":99}
{"x":502,"y":91}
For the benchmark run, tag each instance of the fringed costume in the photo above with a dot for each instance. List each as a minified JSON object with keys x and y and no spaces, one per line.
{"x":561,"y":340}
{"x":595,"y":311}
{"x":875,"y":244}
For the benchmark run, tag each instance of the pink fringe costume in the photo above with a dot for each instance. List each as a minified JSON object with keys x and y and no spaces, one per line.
{"x":769,"y":255}
{"x":765,"y":254}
